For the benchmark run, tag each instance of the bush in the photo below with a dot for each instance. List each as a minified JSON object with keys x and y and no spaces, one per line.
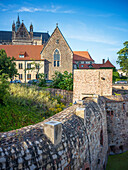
{"x":4,"y":88}
{"x":63,"y":81}
{"x":42,"y":80}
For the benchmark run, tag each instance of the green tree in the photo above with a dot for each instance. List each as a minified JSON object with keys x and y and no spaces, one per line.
{"x":123,"y":58}
{"x":35,"y":67}
{"x":115,"y":75}
{"x":63,"y":81}
{"x":4,"y":88}
{"x":7,"y":65}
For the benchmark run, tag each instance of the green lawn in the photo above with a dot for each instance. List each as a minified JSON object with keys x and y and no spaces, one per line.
{"x":118,"y":162}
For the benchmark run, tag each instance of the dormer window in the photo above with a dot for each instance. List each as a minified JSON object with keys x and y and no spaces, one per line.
{"x":21,"y":55}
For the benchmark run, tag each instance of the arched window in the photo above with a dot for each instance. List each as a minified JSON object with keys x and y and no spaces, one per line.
{"x":56,"y":58}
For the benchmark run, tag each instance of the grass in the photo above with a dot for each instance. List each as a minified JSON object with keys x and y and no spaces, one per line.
{"x":118,"y":162}
{"x":26,"y":106}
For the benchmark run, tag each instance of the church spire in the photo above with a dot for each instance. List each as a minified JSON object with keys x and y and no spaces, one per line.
{"x":17,"y":23}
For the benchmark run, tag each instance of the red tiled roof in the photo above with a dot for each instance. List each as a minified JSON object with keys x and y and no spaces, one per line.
{"x":30,"y":51}
{"x":81,"y":56}
{"x":107,"y":64}
{"x":86,"y":66}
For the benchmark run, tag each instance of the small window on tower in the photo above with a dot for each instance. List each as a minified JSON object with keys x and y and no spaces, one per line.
{"x":57,"y":41}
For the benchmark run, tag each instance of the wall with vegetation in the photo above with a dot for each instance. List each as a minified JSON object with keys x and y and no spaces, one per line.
{"x":66,"y":96}
{"x":84,"y":142}
{"x":88,"y":135}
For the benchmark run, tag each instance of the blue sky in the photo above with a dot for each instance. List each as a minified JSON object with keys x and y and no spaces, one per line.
{"x":101,"y":27}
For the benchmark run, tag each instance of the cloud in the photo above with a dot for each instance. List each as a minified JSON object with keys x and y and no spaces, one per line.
{"x":52,"y":9}
{"x":101,"y":15}
{"x":94,"y":38}
{"x":119,"y":29}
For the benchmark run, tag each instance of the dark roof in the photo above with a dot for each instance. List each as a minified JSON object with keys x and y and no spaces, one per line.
{"x":6,"y":36}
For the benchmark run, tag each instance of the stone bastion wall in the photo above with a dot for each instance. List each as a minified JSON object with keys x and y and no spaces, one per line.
{"x":75,"y":138}
{"x":117,"y":123}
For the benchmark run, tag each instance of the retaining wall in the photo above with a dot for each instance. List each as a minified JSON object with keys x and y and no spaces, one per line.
{"x":83,"y":145}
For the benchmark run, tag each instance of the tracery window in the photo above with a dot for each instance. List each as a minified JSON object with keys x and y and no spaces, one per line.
{"x":56,"y":58}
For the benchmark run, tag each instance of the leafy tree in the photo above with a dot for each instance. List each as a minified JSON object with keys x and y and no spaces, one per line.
{"x":4,"y":88}
{"x":123,"y":58}
{"x":42,"y":80}
{"x":35,"y":67}
{"x":63,"y":81}
{"x":7,"y":65}
{"x":115,"y":75}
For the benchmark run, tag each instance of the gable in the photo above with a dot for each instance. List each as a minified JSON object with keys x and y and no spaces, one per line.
{"x":22,"y":33}
{"x":58,"y":39}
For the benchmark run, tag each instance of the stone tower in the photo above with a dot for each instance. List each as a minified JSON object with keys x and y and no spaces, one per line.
{"x":31,"y":30}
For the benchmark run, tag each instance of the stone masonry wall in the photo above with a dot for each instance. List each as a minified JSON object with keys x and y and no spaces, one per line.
{"x":92,"y":81}
{"x":57,"y":41}
{"x":67,"y":95}
{"x":83,"y":145}
{"x":117,"y":122}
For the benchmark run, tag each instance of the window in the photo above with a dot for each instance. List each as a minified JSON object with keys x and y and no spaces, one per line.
{"x":82,"y":62}
{"x":28,"y":65}
{"x":29,"y":76}
{"x":82,"y":65}
{"x":37,"y":66}
{"x":21,"y":55}
{"x":20,"y":65}
{"x":20,"y":76}
{"x":56,"y":58}
{"x":57,"y":41}
{"x":37,"y":76}
{"x":101,"y":137}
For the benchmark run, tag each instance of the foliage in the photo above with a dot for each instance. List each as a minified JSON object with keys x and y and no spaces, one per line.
{"x":35,"y":67}
{"x":4,"y":88}
{"x":63,"y":80}
{"x":26,"y":106}
{"x":42,"y":80}
{"x":123,"y":58}
{"x":7,"y":65}
{"x":115,"y":75}
{"x":117,"y":162}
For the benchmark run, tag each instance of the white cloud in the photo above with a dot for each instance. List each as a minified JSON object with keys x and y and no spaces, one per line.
{"x":52,"y":9}
{"x":119,"y":29}
{"x":101,"y":15}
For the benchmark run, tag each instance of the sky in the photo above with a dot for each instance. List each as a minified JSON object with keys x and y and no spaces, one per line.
{"x":97,"y":26}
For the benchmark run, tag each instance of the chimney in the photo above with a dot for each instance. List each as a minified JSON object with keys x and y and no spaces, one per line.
{"x":103,"y":61}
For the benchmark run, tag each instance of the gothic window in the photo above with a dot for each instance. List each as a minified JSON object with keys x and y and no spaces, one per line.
{"x":56,"y":58}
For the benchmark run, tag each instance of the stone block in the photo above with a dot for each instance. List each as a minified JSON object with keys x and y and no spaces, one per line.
{"x":53,"y":130}
{"x":80,"y":112}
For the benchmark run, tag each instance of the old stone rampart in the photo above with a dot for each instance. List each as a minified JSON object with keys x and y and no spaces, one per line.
{"x":117,"y":122}
{"x":67,"y":95}
{"x":82,"y":145}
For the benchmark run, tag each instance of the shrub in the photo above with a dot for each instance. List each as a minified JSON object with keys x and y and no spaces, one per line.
{"x":63,"y":81}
